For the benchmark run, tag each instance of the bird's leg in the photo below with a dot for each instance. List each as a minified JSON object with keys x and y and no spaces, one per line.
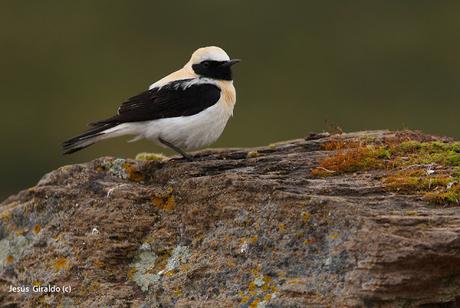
{"x":176,"y":149}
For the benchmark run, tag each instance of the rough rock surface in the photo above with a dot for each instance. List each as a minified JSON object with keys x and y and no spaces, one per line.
{"x":236,"y":227}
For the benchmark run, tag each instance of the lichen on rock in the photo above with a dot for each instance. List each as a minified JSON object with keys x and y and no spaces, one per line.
{"x":331,"y":220}
{"x":142,"y":266}
{"x":12,"y":249}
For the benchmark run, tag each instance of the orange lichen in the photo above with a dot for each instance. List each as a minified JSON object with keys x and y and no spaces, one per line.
{"x":281,"y":228}
{"x":299,"y":235}
{"x":132,"y":172}
{"x":178,"y":293}
{"x":295,"y":281}
{"x":37,"y":229}
{"x":166,"y":203}
{"x":253,"y":293}
{"x":261,"y":288}
{"x":184,"y":267}
{"x":170,"y":273}
{"x":306,"y":217}
{"x":245,"y":299}
{"x":98,"y":263}
{"x":254,"y":303}
{"x":267,"y":287}
{"x":5,"y":216}
{"x":61,"y":264}
{"x":131,"y":273}
{"x":20,"y":232}
{"x":333,"y":236}
{"x":231,"y":263}
{"x":253,"y":240}
{"x":161,"y":260}
{"x":9,"y":260}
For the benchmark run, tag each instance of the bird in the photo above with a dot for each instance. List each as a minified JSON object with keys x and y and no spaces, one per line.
{"x":185,"y":110}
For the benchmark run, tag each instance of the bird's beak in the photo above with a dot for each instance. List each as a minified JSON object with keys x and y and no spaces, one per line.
{"x":231,"y":62}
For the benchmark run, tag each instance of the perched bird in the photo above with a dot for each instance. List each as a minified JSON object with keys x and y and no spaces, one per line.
{"x":187,"y":109}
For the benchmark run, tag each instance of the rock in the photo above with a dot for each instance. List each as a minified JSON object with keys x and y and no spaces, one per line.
{"x":236,"y":227}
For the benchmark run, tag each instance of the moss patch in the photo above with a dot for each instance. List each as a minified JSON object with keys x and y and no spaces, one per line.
{"x":360,"y":158}
{"x":431,"y":169}
{"x":151,"y":156}
{"x":449,"y":195}
{"x":415,"y":180}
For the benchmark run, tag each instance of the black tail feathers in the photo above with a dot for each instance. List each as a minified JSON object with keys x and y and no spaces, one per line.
{"x":87,"y":138}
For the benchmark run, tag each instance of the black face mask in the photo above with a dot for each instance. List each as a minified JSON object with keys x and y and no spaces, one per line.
{"x":215,"y":69}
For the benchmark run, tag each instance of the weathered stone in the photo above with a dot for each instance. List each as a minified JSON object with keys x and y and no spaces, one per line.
{"x":249,"y":227}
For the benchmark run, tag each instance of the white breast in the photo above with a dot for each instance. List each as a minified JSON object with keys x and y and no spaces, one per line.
{"x":186,"y":132}
{"x":193,"y":131}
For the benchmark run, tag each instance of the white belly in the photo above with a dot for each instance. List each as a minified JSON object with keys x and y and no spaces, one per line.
{"x":188,"y":132}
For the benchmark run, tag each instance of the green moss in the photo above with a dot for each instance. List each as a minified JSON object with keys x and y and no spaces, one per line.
{"x":415,"y":181}
{"x":450,"y":195}
{"x":399,"y":160}
{"x":151,"y":156}
{"x":456,"y":174}
{"x":414,"y":152}
{"x":453,"y":159}
{"x":436,"y":146}
{"x":382,"y":152}
{"x":406,"y":147}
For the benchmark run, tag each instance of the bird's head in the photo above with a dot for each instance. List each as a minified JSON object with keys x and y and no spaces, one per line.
{"x":212,"y":62}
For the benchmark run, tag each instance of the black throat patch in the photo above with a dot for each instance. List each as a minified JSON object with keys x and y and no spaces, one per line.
{"x":213,"y":69}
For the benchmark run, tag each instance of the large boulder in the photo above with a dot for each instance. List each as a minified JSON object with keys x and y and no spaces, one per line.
{"x":275,"y":226}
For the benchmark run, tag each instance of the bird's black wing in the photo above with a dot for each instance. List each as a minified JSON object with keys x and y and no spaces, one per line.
{"x":175,"y":99}
{"x":178,"y":98}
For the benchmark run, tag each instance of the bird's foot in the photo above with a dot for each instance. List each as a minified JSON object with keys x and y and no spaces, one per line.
{"x":188,"y":157}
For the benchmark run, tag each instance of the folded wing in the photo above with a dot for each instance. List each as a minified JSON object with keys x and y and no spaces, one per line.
{"x":175,"y":99}
{"x":179,"y":98}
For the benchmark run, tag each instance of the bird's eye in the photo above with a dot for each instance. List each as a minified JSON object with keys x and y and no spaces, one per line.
{"x":206,"y":64}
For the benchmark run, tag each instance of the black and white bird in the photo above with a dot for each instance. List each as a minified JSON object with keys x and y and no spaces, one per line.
{"x":187,"y":109}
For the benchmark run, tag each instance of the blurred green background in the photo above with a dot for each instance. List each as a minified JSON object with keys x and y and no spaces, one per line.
{"x":307,"y":66}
